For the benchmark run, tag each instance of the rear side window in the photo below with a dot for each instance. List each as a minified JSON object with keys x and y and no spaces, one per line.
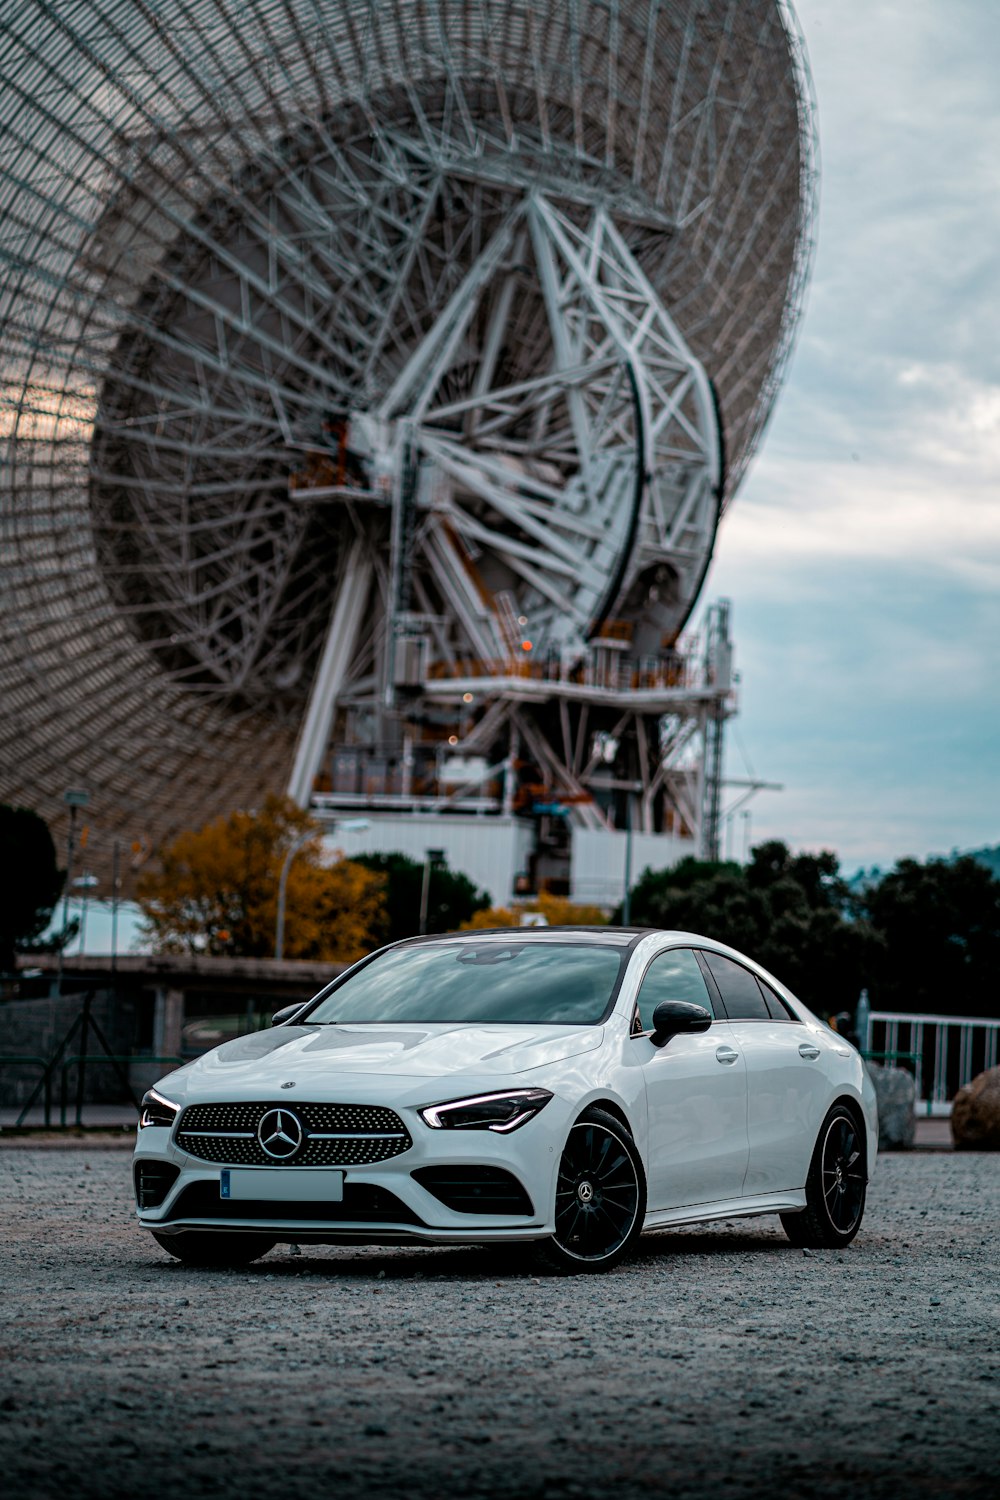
{"x":776,"y":1007}
{"x":741,"y":994}
{"x":675,"y":975}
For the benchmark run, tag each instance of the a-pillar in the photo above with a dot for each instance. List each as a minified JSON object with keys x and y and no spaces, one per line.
{"x":168,"y":1021}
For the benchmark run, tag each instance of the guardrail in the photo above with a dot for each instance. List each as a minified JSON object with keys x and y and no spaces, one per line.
{"x":893,"y":1059}
{"x":46,"y":1069}
{"x":26,"y":1059}
{"x":948,"y":1051}
{"x":83,"y":1061}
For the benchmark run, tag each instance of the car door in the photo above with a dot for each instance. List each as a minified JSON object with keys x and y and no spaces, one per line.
{"x":786,"y":1080}
{"x":695,"y":1094}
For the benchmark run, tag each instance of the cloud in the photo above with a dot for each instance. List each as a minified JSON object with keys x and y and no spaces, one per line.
{"x":941,"y":509}
{"x":862,"y":555}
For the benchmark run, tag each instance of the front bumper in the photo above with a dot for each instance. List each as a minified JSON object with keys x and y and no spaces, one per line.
{"x":383,"y":1202}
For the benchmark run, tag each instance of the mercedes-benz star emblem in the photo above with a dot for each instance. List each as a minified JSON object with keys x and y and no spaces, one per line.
{"x":280,"y":1134}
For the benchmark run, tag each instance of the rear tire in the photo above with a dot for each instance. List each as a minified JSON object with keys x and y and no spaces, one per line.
{"x":202,"y":1247}
{"x":835,"y":1188}
{"x":600,"y":1198}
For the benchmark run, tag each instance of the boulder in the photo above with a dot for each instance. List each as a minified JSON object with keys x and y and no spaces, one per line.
{"x":896,"y":1092}
{"x":975,"y":1114}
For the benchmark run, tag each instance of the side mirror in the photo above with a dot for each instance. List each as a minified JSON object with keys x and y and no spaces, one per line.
{"x":671,"y":1017}
{"x":288,"y":1012}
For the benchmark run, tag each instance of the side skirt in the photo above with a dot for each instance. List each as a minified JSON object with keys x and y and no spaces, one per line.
{"x":729,"y":1208}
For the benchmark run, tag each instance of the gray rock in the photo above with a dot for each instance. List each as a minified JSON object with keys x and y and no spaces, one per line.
{"x":896,"y":1091}
{"x":975,"y":1113}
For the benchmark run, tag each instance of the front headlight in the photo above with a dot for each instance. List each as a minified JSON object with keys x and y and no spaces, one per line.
{"x":500,"y":1112}
{"x":156,"y":1110}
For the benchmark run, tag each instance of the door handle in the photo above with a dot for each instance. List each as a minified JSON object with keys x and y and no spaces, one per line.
{"x":806,"y":1049}
{"x":726,"y":1055}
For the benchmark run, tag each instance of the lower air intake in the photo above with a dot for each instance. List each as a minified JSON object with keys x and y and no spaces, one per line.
{"x":475,"y":1190}
{"x":153,"y":1181}
{"x":362,"y":1204}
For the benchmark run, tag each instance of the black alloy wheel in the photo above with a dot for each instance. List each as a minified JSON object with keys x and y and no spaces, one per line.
{"x":836,"y":1187}
{"x":600,"y":1197}
{"x":205,"y":1247}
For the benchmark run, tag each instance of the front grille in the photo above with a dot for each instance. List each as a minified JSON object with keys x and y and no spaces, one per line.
{"x":475,"y":1190}
{"x":362,"y":1204}
{"x":153,"y":1181}
{"x":227,"y":1133}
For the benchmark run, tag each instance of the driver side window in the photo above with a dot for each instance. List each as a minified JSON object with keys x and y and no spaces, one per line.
{"x":674,"y":975}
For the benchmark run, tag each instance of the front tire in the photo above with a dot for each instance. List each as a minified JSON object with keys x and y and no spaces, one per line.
{"x":600,"y":1197}
{"x":835,"y":1188}
{"x":202,"y":1247}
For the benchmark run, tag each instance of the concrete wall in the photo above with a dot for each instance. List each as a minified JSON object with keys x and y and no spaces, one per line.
{"x":490,"y":851}
{"x":598,"y":861}
{"x":493,"y":851}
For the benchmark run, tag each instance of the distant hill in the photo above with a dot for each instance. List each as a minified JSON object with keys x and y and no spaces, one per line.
{"x":861,"y":880}
{"x":990,"y":857}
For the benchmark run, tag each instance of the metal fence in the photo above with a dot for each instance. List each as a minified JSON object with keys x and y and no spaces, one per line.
{"x":72,"y":1077}
{"x":943,"y":1052}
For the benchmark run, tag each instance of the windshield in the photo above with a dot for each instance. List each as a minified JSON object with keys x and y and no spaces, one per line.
{"x":557,"y":984}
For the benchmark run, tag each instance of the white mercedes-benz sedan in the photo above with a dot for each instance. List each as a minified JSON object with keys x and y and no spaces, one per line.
{"x":567,"y":1086}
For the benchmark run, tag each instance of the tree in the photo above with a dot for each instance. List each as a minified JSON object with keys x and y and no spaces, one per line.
{"x":657,"y":892}
{"x":216,"y":891}
{"x":452,"y":898}
{"x":557,"y":911}
{"x":940,"y":926}
{"x":30,"y":880}
{"x":793,"y":913}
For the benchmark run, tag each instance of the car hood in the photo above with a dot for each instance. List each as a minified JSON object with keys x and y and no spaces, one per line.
{"x":319,"y":1055}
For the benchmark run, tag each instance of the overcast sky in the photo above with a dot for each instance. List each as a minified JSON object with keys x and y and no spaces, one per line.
{"x":862,"y":555}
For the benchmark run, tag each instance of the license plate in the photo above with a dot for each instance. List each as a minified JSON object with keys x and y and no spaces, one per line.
{"x":282,"y":1185}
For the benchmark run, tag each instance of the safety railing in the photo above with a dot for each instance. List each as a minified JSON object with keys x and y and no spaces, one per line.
{"x":948,"y":1051}
{"x":45,"y":1069}
{"x":115,"y":1060}
{"x":41,"y":1065}
{"x":894,"y":1059}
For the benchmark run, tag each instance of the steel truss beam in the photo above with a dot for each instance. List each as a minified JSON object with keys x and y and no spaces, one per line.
{"x":569,"y":489}
{"x":227,"y":235}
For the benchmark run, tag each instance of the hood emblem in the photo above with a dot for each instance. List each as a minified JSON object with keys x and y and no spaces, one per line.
{"x":288,"y":1085}
{"x":279,"y":1134}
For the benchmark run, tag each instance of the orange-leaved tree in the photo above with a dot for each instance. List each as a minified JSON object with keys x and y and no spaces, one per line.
{"x":216,"y":891}
{"x":557,"y":911}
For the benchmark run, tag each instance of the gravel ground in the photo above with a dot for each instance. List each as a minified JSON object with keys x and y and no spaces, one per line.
{"x":719,"y":1361}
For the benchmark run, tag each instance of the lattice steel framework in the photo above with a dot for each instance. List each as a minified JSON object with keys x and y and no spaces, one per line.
{"x":346,"y":346}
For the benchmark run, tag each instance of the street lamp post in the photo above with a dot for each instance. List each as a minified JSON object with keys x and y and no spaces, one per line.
{"x":293,"y":849}
{"x":115,"y":890}
{"x":73,"y":800}
{"x":432,"y":857}
{"x":348,"y":825}
{"x":627,"y":899}
{"x":84,"y":883}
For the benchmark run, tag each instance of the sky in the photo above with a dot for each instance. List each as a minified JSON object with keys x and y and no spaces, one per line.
{"x":862,"y":554}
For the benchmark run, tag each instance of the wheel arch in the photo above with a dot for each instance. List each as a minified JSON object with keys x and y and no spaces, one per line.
{"x":610,"y":1107}
{"x":856,"y":1111}
{"x":593,"y":1175}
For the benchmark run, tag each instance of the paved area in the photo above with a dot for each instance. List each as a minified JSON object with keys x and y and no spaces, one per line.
{"x":718,"y":1363}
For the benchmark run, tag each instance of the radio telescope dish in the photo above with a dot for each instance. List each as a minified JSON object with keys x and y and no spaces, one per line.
{"x":354,"y":350}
